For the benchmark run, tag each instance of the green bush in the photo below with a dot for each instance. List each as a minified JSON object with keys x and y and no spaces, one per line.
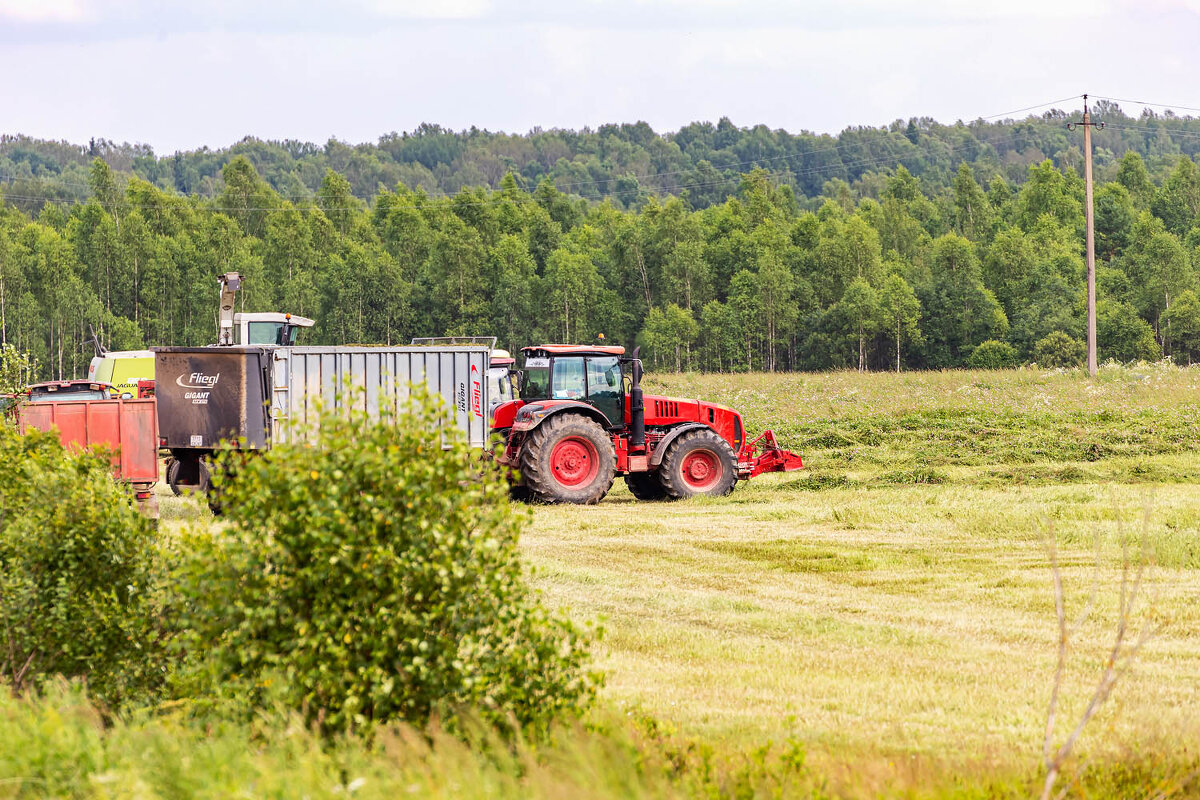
{"x":17,"y":369}
{"x":1057,"y":350}
{"x":77,"y":571}
{"x":1123,"y":335}
{"x":375,"y":578}
{"x":993,"y":355}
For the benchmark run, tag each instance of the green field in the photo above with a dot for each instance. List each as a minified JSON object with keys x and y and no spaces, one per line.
{"x":891,"y":607}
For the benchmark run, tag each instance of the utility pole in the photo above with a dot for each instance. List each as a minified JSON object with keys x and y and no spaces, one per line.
{"x":1087,"y":126}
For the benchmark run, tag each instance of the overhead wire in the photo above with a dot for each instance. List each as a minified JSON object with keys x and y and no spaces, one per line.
{"x":1145,"y":103}
{"x":1031,"y":108}
{"x":1153,"y":129}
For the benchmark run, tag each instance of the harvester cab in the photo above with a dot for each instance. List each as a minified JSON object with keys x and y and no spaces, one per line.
{"x":262,"y":328}
{"x":581,"y":419}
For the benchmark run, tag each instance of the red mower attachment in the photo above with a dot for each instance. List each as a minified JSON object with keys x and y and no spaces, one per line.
{"x":772,"y":457}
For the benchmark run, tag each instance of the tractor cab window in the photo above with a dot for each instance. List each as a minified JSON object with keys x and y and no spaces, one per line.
{"x":568,"y":379}
{"x":604,"y":386}
{"x":535,"y":380}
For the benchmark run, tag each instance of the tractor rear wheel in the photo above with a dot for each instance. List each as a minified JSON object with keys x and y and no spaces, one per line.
{"x":568,"y":459}
{"x":645,"y":485}
{"x":699,"y":462}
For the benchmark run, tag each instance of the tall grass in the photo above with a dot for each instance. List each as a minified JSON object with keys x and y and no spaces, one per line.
{"x":57,"y":746}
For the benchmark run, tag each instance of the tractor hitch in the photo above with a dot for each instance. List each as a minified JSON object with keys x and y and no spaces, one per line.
{"x":770,"y":458}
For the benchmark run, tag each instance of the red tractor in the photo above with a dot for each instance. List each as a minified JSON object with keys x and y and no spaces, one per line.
{"x":581,"y":419}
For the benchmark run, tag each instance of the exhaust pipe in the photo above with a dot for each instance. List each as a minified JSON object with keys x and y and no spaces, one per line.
{"x":637,"y":410}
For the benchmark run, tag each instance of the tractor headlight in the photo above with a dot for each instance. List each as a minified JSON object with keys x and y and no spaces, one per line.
{"x":529,"y":413}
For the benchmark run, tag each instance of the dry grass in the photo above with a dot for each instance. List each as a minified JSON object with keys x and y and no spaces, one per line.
{"x":873,"y":618}
{"x":892,"y":605}
{"x":913,"y":620}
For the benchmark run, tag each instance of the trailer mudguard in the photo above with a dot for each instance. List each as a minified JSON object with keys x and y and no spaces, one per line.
{"x":671,"y":436}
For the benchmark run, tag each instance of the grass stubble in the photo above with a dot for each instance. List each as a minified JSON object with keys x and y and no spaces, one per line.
{"x":891,"y":608}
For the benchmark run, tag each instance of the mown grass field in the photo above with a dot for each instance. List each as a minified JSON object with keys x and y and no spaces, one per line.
{"x":891,"y":607}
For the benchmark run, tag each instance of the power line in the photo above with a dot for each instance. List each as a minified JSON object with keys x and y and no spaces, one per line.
{"x":1150,"y":129}
{"x":1146,"y":103}
{"x":1031,"y":108}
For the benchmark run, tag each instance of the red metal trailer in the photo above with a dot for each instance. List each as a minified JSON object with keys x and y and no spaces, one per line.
{"x":128,"y":427}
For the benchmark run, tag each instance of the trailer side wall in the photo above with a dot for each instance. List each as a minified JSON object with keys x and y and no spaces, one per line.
{"x":306,"y":379}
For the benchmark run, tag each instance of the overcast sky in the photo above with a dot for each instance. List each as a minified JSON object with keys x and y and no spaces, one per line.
{"x":181,"y":75}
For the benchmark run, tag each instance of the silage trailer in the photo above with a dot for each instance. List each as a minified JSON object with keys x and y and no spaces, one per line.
{"x":259,"y":396}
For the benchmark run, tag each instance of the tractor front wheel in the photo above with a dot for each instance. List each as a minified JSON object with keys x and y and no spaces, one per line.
{"x":568,"y":459}
{"x":699,"y":462}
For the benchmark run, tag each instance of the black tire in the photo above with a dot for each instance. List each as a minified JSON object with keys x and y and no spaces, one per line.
{"x":699,"y":462}
{"x":568,"y":459}
{"x":645,"y":486}
{"x":172,"y":470}
{"x":177,"y":467}
{"x":519,"y":493}
{"x":211,"y":493}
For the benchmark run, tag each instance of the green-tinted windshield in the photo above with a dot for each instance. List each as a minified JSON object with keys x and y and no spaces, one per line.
{"x":604,"y":387}
{"x":568,"y":382}
{"x":535,"y":385}
{"x":268,"y":333}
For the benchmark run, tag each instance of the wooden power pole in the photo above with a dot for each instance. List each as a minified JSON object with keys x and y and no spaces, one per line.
{"x":1087,"y":126}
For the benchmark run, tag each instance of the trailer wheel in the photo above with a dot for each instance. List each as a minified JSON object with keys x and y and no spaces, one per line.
{"x":568,"y":459}
{"x":646,"y":485}
{"x":699,"y":462}
{"x":172,"y":470}
{"x":188,"y":475}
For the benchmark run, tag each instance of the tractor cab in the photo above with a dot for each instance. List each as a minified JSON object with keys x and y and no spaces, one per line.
{"x":596,"y":375}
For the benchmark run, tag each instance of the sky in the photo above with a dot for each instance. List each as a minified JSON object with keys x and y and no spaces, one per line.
{"x":179,"y":76}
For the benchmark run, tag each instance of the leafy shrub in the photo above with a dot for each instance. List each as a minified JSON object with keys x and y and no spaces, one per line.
{"x":1123,"y":335}
{"x":993,"y":355}
{"x":375,"y":578}
{"x":1058,"y":349}
{"x":77,"y":571}
{"x":17,"y":369}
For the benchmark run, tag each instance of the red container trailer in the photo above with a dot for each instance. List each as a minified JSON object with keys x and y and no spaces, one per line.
{"x":129,"y":428}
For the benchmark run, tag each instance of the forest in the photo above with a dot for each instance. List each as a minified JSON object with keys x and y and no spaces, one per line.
{"x":717,"y":248}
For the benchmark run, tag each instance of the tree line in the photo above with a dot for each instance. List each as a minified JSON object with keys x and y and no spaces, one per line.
{"x":627,"y":163}
{"x":897,"y":272}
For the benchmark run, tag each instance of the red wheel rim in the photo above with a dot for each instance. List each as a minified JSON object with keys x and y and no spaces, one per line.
{"x":575,"y":461}
{"x":701,"y":470}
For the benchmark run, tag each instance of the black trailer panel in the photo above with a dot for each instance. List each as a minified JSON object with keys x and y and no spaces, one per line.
{"x":210,"y":394}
